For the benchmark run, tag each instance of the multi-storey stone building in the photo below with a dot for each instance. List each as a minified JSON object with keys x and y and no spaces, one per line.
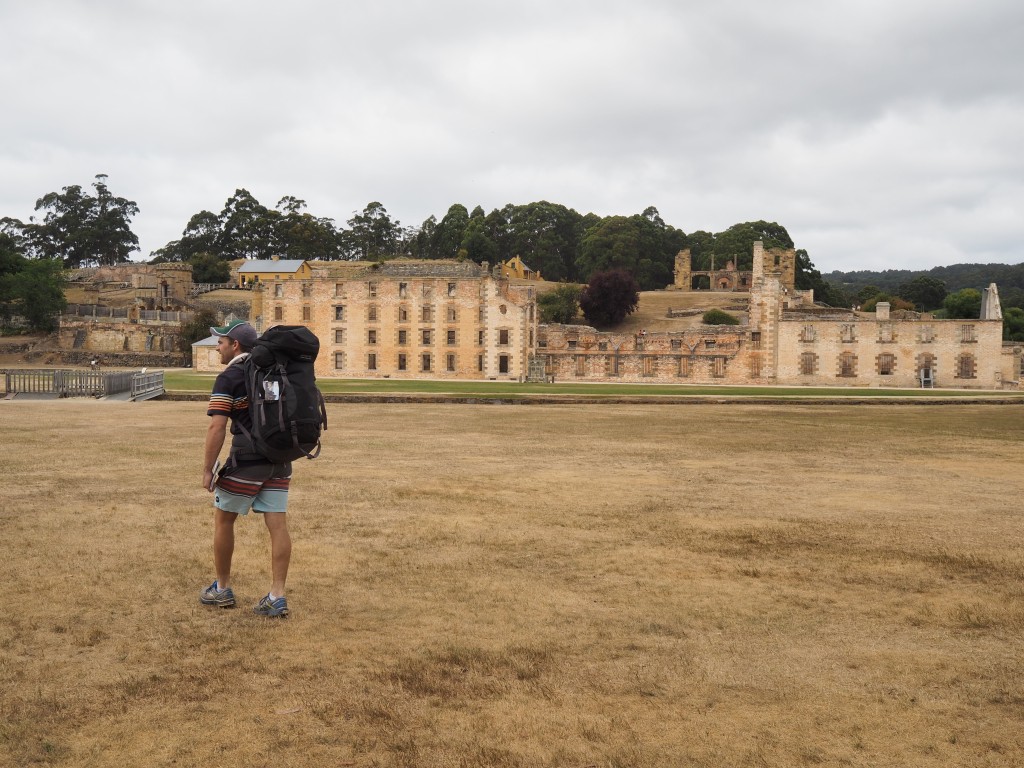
{"x":408,"y":319}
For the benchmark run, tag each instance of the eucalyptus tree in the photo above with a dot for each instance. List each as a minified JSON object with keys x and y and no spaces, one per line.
{"x":247,"y":229}
{"x":447,"y":240}
{"x":372,"y":234}
{"x":300,"y":235}
{"x":546,"y":236}
{"x":82,"y":229}
{"x":642,"y":245}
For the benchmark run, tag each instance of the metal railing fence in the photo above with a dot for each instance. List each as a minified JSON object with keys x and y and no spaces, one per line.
{"x":72,"y":383}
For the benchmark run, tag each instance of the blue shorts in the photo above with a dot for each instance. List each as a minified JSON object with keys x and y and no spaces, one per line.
{"x":264,"y":487}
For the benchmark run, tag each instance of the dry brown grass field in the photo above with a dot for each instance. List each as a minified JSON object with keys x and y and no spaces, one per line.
{"x":574,"y":586}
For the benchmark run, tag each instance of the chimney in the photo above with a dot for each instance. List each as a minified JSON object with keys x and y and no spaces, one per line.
{"x":758,"y":267}
{"x":882,"y":310}
{"x":990,"y":306}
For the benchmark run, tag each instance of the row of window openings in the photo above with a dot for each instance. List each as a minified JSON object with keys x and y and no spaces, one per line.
{"x":966,"y":366}
{"x":426,"y":337}
{"x":602,"y":346}
{"x":885,"y":365}
{"x":371,"y":290}
{"x":426,"y":362}
{"x":372,"y":313}
{"x":683,"y":365}
{"x":886,"y":334}
{"x":426,"y":314}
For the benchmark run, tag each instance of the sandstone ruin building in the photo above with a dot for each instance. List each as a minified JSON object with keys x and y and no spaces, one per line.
{"x":408,"y":319}
{"x":460,"y":320}
{"x":790,"y":341}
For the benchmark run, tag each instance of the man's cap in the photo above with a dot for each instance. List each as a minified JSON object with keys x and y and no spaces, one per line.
{"x":239,"y":330}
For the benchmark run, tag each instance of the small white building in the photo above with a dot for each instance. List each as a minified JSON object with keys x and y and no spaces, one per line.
{"x":205,"y":357}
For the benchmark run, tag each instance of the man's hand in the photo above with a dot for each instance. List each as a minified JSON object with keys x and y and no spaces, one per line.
{"x":211,"y":450}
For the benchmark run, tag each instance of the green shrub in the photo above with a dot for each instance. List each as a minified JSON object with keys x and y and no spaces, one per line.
{"x":895,"y":302}
{"x":718,"y":317}
{"x":560,"y":305}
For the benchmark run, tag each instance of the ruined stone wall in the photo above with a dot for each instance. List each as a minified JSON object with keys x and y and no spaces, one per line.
{"x":776,"y":262}
{"x":411,"y":320}
{"x":704,"y":355}
{"x":1012,"y":365}
{"x":149,"y":281}
{"x":118,"y":336}
{"x":681,"y":281}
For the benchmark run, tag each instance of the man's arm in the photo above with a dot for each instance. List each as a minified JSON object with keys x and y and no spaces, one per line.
{"x":214,"y":442}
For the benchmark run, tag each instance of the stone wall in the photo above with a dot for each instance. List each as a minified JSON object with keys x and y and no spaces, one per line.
{"x":122,"y":336}
{"x":206,"y":359}
{"x":110,"y":359}
{"x":705,"y":355}
{"x":780,"y":262}
{"x":1012,"y":365}
{"x":157,"y":282}
{"x":890,"y":353}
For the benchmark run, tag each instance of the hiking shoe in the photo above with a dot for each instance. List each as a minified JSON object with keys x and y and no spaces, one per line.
{"x":222,"y":598}
{"x":273,"y":608}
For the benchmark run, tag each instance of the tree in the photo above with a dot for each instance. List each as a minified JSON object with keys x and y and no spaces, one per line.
{"x":499,"y":231}
{"x":303,"y":236}
{"x":546,"y":236}
{"x":614,"y":243}
{"x":925,"y":293}
{"x":11,"y":263}
{"x":38,"y":293}
{"x":609,"y":297}
{"x":1013,"y":324}
{"x":702,"y":247}
{"x":207,"y":268}
{"x":84,"y":230}
{"x":476,"y":243}
{"x":737,"y":242}
{"x":964,"y":303}
{"x":450,"y":232}
{"x":246,"y":229}
{"x":201,"y":235}
{"x":895,"y":302}
{"x":422,"y":241}
{"x":373,"y":234}
{"x":809,"y":278}
{"x":560,"y":305}
{"x":867,"y":293}
{"x":197,"y":329}
{"x":641,"y":244}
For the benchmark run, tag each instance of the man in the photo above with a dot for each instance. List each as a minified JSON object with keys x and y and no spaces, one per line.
{"x":248,"y":479}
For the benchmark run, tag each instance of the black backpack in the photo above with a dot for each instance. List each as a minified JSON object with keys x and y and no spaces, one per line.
{"x":286,"y":407}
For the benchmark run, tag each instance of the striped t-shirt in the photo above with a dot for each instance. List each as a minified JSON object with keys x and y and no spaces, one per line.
{"x":229,"y":399}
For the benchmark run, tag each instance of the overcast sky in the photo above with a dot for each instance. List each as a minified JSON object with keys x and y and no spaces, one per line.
{"x":881,"y":134}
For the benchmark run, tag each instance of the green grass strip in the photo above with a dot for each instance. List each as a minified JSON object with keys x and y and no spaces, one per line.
{"x":182,"y":381}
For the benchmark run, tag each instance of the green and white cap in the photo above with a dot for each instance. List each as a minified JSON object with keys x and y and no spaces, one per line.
{"x":239,"y":330}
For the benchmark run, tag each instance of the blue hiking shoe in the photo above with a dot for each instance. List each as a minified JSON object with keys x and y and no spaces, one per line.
{"x":222,"y":598}
{"x":277,"y":608}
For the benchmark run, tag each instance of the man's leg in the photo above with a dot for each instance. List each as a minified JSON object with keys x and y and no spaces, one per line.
{"x":280,"y":550}
{"x":223,"y":545}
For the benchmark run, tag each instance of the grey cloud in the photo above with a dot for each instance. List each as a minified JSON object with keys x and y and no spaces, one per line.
{"x":877,"y":133}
